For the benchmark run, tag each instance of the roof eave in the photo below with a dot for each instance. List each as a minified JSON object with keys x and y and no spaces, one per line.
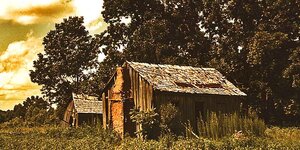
{"x":240,"y":95}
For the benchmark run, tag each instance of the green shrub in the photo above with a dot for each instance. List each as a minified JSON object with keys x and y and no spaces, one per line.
{"x":168,"y":118}
{"x":15,"y":122}
{"x":145,"y":121}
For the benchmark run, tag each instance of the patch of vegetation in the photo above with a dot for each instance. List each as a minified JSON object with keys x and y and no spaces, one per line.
{"x":57,"y":138}
{"x":168,"y":118}
{"x":145,"y":121}
{"x":50,"y":137}
{"x":219,"y":125}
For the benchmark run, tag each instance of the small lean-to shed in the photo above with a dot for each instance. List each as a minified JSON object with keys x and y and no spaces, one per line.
{"x":144,"y":86}
{"x":83,"y":109}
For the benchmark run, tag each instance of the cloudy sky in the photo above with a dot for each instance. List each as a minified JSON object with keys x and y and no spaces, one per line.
{"x":23,"y":24}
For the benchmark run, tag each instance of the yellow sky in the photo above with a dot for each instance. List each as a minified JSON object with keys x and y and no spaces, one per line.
{"x":23,"y":24}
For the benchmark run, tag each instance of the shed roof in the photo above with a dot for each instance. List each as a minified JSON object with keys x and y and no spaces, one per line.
{"x":87,"y":104}
{"x":185,"y":79}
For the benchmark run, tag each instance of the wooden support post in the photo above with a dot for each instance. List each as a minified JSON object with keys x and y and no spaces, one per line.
{"x":104,"y":110}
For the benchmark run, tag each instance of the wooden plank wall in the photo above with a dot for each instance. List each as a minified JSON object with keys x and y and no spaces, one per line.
{"x":142,"y":91}
{"x":68,"y":113}
{"x":104,"y":110}
{"x":107,"y":94}
{"x":212,"y":103}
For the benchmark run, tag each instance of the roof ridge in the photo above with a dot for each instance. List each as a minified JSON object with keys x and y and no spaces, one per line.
{"x":144,"y":63}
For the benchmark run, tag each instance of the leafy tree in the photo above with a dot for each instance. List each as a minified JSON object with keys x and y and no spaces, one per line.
{"x":293,"y":70}
{"x":38,"y":112}
{"x":69,"y":52}
{"x":157,"y":32}
{"x":36,"y":116}
{"x":254,"y":43}
{"x":9,"y":115}
{"x":33,"y":112}
{"x":19,"y":111}
{"x":36,"y":101}
{"x":2,"y":116}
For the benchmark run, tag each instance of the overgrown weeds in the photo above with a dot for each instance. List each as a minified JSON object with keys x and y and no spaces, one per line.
{"x":97,"y":138}
{"x":216,"y":125}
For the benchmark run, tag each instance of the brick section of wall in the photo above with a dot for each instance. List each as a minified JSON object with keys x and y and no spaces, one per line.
{"x":117,"y":116}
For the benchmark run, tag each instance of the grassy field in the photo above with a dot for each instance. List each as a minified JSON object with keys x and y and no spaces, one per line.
{"x":96,"y":138}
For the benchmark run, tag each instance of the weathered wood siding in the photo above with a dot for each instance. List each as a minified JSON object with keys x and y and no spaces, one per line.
{"x":186,"y":103}
{"x":104,"y":108}
{"x":106,"y":95}
{"x":70,"y":112}
{"x":141,"y":91}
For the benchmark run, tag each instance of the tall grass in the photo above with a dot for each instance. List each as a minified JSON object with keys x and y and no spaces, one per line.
{"x":97,"y":138}
{"x":291,"y":134}
{"x":219,"y":125}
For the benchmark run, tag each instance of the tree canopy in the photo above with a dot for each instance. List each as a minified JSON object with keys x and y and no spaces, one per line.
{"x":21,"y":111}
{"x":69,"y":52}
{"x":254,"y":43}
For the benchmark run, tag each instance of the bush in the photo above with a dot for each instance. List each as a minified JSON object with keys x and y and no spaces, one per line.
{"x":168,"y":113}
{"x":15,"y":122}
{"x":145,"y":121}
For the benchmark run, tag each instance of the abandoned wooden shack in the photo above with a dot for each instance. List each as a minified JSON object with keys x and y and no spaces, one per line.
{"x":83,"y":109}
{"x":144,"y":86}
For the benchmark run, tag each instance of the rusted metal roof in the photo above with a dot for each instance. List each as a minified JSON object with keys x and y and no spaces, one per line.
{"x":87,"y":104}
{"x":185,"y":79}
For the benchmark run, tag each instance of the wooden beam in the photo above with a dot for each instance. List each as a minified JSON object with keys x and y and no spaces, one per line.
{"x":104,"y":110}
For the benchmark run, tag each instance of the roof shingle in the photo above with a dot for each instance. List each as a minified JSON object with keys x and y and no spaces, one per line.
{"x":87,"y":104}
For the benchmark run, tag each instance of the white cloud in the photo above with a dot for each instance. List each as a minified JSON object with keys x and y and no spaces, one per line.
{"x":21,"y":4}
{"x":33,"y":11}
{"x":90,"y":10}
{"x":52,"y":11}
{"x":9,"y":98}
{"x":17,"y":60}
{"x":15,"y":64}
